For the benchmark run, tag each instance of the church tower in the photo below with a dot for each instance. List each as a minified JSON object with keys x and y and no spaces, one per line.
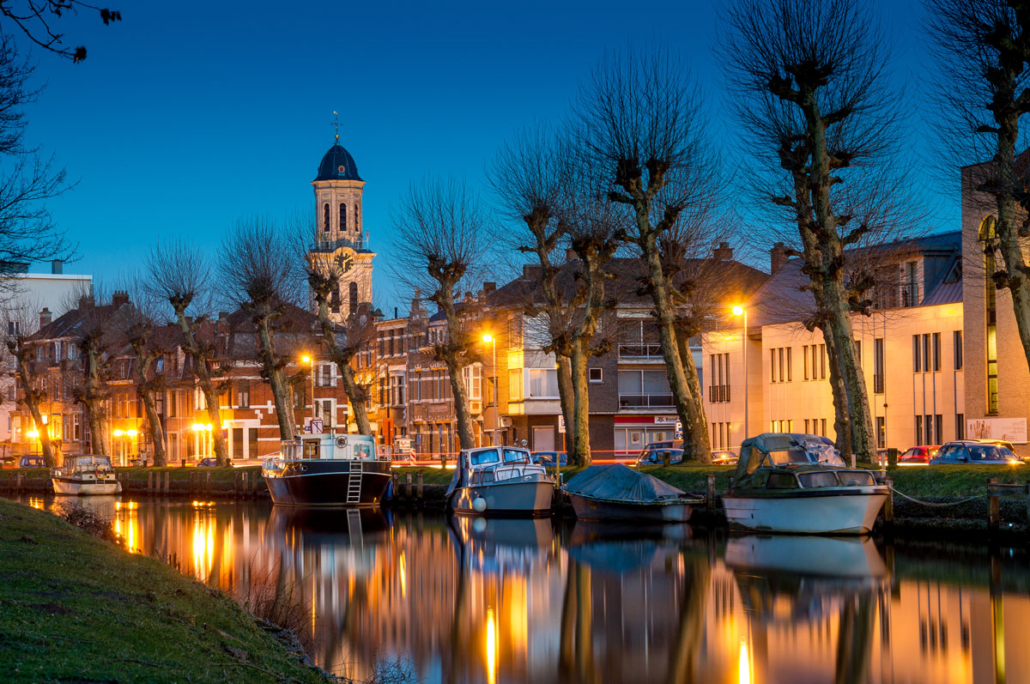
{"x":339,"y":232}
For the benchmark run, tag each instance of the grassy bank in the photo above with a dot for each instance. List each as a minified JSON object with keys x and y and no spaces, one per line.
{"x":75,"y":607}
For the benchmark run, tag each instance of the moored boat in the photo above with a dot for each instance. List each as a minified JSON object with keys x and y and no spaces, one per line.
{"x":85,"y":476}
{"x":499,"y":481}
{"x":797,"y":483}
{"x":327,"y":471}
{"x":618,"y":493}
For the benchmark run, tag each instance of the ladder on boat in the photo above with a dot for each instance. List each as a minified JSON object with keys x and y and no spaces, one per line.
{"x":354,"y":483}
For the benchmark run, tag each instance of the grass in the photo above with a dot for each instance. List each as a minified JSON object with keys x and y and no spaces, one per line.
{"x":75,"y":607}
{"x":953,"y":481}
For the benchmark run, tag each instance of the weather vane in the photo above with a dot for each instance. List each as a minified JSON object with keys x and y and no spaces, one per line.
{"x":336,"y":123}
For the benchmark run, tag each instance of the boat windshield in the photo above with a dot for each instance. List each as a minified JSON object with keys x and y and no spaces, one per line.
{"x":485,"y":457}
{"x":515,"y":456}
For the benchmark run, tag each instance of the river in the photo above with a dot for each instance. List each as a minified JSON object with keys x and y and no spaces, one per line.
{"x":493,"y":601}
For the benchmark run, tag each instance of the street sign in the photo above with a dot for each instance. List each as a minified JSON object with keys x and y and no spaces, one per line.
{"x":561,"y":424}
{"x":316,"y":426}
{"x":679,"y":430}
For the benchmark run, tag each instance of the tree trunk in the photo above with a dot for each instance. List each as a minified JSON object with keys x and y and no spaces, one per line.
{"x":29,"y":399}
{"x":356,"y":395}
{"x":157,"y":433}
{"x":95,"y":418}
{"x":566,"y":398}
{"x":200,"y":370}
{"x":461,"y":404}
{"x":280,"y":393}
{"x":841,"y":420}
{"x":691,"y":412}
{"x":693,"y":382}
{"x":579,"y":428}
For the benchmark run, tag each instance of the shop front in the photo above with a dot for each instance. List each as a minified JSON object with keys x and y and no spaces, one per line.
{"x":633,"y":433}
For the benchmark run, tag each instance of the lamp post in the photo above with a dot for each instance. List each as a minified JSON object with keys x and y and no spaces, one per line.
{"x":493,"y":352}
{"x":741,"y":311}
{"x":311,"y":362}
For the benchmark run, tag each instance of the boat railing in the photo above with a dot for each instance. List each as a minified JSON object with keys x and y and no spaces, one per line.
{"x":501,"y":473}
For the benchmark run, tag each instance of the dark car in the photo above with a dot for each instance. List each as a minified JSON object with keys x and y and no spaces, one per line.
{"x":974,"y":453}
{"x":9,"y":462}
{"x":546,"y":458}
{"x":32,"y":462}
{"x":724,"y":458}
{"x":656,"y":456}
{"x":207,"y":462}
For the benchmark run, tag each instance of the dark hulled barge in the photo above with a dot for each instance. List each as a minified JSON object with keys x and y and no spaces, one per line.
{"x":327,"y":471}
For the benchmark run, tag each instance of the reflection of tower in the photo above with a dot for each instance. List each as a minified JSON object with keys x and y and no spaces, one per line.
{"x":339,"y":232}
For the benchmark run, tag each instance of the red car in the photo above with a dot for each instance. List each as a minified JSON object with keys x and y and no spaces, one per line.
{"x":919,"y":454}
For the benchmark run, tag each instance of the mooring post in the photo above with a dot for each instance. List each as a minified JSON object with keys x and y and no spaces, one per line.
{"x":150,"y":482}
{"x":888,"y":507}
{"x":711,"y":495}
{"x":407,"y":488}
{"x":420,"y":489}
{"x":168,"y":482}
{"x":993,"y":507}
{"x":443,"y":460}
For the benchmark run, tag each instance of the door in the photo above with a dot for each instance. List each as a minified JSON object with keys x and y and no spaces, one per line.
{"x":237,"y":444}
{"x":543,"y":438}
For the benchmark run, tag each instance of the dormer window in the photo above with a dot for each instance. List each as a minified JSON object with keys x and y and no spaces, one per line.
{"x":325,"y":217}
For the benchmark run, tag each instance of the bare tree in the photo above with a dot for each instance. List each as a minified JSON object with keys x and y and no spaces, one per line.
{"x":810,"y":93}
{"x":257,"y":271}
{"x":141,"y":332}
{"x":641,"y":128}
{"x":983,"y":47}
{"x":36,"y":20}
{"x":179,"y":274}
{"x":342,"y":342}
{"x":440,"y":231}
{"x":21,"y":324}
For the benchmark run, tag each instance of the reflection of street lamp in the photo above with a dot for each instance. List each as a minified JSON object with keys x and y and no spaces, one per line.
{"x":487,"y":337}
{"x":311,"y":362}
{"x":738,"y":310}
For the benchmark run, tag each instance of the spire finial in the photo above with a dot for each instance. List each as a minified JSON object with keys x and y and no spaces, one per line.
{"x":336,"y":124}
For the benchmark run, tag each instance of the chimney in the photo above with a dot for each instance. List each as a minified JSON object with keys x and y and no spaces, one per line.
{"x":223,"y":316}
{"x":723,"y":252}
{"x":777,"y":257}
{"x":57,"y":266}
{"x":45,"y":317}
{"x":119,"y":297}
{"x":489,"y":287}
{"x":532,"y":271}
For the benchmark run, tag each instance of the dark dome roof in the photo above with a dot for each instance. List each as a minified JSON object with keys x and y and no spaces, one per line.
{"x":337,"y":164}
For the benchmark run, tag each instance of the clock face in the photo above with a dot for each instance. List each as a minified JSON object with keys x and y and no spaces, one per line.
{"x":345,"y":261}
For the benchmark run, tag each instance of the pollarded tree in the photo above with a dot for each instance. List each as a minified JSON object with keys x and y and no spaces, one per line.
{"x":142,"y":336}
{"x":257,"y":272}
{"x":641,"y":127}
{"x":983,"y":47}
{"x":178,"y":273}
{"x":440,"y":241}
{"x":21,"y":324}
{"x":809,"y":89}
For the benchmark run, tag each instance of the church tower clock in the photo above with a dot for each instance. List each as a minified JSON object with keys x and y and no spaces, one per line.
{"x":340,"y":235}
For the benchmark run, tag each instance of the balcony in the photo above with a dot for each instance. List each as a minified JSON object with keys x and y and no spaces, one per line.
{"x":330,"y":246}
{"x":718,"y":393}
{"x":639,"y":401}
{"x":641,"y":352}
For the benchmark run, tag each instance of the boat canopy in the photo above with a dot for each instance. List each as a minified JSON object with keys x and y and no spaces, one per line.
{"x":87,"y":461}
{"x":619,"y":483}
{"x":784,"y":448}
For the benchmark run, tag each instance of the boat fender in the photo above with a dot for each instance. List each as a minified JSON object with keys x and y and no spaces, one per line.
{"x":479,"y":525}
{"x":479,"y":504}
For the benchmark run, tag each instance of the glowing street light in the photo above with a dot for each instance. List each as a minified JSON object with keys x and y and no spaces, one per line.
{"x":739,"y":310}
{"x":492,"y":341}
{"x":308,"y":361}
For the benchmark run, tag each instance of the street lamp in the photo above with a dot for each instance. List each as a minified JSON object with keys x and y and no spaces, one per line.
{"x":492,"y":341}
{"x":311,"y":362}
{"x":738,"y":310}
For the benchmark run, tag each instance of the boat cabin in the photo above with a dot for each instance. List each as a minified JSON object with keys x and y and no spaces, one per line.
{"x":329,"y":447}
{"x":795,"y":461}
{"x":497,"y":463}
{"x":89,"y":463}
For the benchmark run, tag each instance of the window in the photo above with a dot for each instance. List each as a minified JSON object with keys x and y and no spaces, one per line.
{"x":325,"y":218}
{"x":772,"y":366}
{"x":14,"y":328}
{"x":916,"y":365}
{"x":858,"y":351}
{"x":473,"y":376}
{"x":938,"y":429}
{"x":544,"y":383}
{"x":782,"y":376}
{"x":960,"y":426}
{"x":804,"y":355}
{"x":807,"y":432}
{"x":937,"y":353}
{"x":343,"y":217}
{"x":881,"y":432}
{"x":352,"y":293}
{"x":919,"y":431}
{"x":928,"y":425}
{"x":252,"y":444}
{"x":822,"y":361}
{"x":357,"y":217}
{"x":823,"y":423}
{"x":910,"y":286}
{"x":958,"y":349}
{"x":878,"y":375}
{"x":595,"y":374}
{"x":790,"y":363}
{"x":926,"y":352}
{"x":515,"y":384}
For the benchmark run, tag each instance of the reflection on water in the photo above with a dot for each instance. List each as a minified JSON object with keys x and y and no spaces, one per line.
{"x":472,"y":600}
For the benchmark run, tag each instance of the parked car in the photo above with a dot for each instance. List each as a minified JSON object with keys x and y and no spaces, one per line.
{"x":974,"y":453}
{"x":32,"y":462}
{"x":665,"y":444}
{"x":208,"y":462}
{"x":9,"y":462}
{"x":997,"y":442}
{"x":724,"y":458}
{"x":917,"y":455}
{"x":546,"y":458}
{"x":656,"y":456}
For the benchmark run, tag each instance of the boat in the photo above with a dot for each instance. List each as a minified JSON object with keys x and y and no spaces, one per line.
{"x":85,"y":476}
{"x":797,"y":483}
{"x":499,"y":481}
{"x":327,"y":470}
{"x":617,"y":493}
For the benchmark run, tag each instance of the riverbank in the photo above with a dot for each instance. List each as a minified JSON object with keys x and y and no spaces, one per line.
{"x":78,"y":608}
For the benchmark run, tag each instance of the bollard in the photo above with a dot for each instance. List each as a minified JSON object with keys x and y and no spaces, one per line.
{"x":711,"y":495}
{"x":407,"y":488}
{"x":666,"y":458}
{"x":888,"y":506}
{"x":443,"y":460}
{"x":420,"y":489}
{"x":150,"y":482}
{"x":993,"y":508}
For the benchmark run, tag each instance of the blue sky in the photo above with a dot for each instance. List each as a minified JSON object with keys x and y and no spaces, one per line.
{"x":188,"y":115}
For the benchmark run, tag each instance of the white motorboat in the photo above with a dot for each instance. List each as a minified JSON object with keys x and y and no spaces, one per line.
{"x":798,"y":483}
{"x":85,"y":475}
{"x":500,"y":481}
